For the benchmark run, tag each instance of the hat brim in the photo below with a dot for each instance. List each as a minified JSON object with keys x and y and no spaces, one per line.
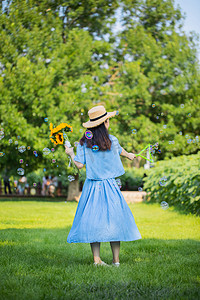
{"x":91,"y":124}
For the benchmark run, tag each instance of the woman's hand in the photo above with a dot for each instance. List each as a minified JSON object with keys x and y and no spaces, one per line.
{"x":68,"y":150}
{"x":131,"y":156}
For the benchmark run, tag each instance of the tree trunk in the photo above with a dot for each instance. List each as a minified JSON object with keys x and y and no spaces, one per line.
{"x":73,"y":190}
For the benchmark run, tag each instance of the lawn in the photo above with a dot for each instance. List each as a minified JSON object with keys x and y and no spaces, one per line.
{"x":36,"y":262}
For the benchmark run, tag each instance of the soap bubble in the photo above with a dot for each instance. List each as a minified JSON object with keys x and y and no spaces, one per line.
{"x":163,"y":181}
{"x":44,"y":170}
{"x":159,"y":151}
{"x":52,"y":149}
{"x":1,"y":154}
{"x":180,"y":132}
{"x":153,"y":105}
{"x":189,"y":115}
{"x":71,"y":178}
{"x":134,"y":131}
{"x":117,"y":113}
{"x":35,"y":152}
{"x":53,"y":161}
{"x":21,"y":161}
{"x":46,"y":119}
{"x":10,"y":141}
{"x":76,"y":144}
{"x":34,"y":184}
{"x":182,"y":105}
{"x":88,"y":134}
{"x":165,"y":126}
{"x":95,"y":148}
{"x":46,"y":151}
{"x":20,"y":171}
{"x":16,"y":142}
{"x":189,"y":141}
{"x":187,"y":136}
{"x":140,"y":189}
{"x":164,"y":205}
{"x":118,"y":180}
{"x":28,"y":148}
{"x":21,"y":149}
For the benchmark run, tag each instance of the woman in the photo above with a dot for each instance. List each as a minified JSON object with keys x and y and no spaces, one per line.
{"x":102,"y":213}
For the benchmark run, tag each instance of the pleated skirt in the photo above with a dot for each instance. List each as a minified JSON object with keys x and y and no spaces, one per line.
{"x":102,"y":215}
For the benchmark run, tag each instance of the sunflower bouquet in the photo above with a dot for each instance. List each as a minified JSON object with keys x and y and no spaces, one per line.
{"x":58,"y":136}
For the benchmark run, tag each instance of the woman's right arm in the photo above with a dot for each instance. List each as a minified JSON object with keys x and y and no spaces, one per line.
{"x":129,"y":155}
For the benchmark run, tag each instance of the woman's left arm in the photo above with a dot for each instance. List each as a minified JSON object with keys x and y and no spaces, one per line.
{"x":70,"y":151}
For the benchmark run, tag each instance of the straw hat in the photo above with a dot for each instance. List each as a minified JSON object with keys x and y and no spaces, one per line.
{"x":98,"y":115}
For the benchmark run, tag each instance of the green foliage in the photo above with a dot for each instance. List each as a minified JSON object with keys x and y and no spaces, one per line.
{"x":57,"y":62}
{"x":182,"y":185}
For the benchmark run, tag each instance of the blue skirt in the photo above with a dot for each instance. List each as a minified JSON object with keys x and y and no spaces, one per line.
{"x":102,"y":215}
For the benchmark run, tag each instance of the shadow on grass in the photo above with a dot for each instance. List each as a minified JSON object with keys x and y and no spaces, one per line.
{"x":176,"y":208}
{"x":40,"y":264}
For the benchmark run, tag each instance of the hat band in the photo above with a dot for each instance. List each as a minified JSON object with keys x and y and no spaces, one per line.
{"x":98,"y":117}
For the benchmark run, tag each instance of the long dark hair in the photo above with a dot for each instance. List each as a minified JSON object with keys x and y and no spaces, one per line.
{"x":100,"y":138}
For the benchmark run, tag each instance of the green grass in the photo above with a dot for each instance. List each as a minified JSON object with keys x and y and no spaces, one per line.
{"x":36,"y":262}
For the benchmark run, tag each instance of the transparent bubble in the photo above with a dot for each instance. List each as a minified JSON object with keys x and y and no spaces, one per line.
{"x":71,"y":178}
{"x":165,"y":126}
{"x":52,"y":149}
{"x":140,"y":189}
{"x":157,"y":117}
{"x":21,"y":149}
{"x":164,"y":205}
{"x":118,"y":180}
{"x":46,"y":119}
{"x":21,"y":161}
{"x":34,"y":184}
{"x":27,"y":165}
{"x":1,"y":154}
{"x":189,"y":115}
{"x":16,"y":142}
{"x":187,"y":136}
{"x":46,"y":151}
{"x":28,"y":148}
{"x":20,"y":171}
{"x":88,"y":134}
{"x":163,"y":181}
{"x":180,"y":132}
{"x":44,"y":170}
{"x":18,"y":137}
{"x":81,"y":130}
{"x":35,"y":152}
{"x":117,"y":113}
{"x":189,"y":141}
{"x":36,"y":155}
{"x":153,"y":105}
{"x":76,"y":144}
{"x":134,"y":131}
{"x":182,"y":105}
{"x":95,"y":148}
{"x":10,"y":141}
{"x":53,"y":161}
{"x":159,"y":151}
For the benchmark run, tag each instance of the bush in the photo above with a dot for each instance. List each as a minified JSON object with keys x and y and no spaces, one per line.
{"x":176,"y":181}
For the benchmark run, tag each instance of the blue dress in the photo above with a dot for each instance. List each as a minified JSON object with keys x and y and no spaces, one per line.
{"x":102,"y":214}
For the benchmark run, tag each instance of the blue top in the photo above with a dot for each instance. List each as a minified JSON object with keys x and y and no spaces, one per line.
{"x":101,"y":164}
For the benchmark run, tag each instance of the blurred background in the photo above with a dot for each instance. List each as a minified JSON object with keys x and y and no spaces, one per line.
{"x":60,"y":58}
